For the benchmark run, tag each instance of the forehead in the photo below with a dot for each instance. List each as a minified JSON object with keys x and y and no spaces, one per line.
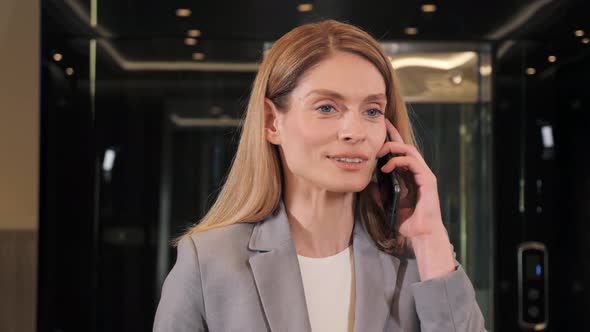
{"x":350,"y":75}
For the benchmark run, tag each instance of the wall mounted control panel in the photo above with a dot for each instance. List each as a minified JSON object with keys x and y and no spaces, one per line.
{"x":532,"y":286}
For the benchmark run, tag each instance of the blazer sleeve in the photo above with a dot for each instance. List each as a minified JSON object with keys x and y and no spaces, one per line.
{"x":181,"y":307}
{"x":448,"y":303}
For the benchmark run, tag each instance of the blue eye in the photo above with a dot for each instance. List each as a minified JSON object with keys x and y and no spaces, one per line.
{"x":324,"y":108}
{"x":378,"y":112}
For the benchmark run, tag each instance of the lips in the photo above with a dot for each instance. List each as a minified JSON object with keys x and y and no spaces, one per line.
{"x":349,"y":165}
{"x":350,"y":155}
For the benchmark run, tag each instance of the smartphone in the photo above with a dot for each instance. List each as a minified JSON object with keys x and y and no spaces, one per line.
{"x":389,"y":189}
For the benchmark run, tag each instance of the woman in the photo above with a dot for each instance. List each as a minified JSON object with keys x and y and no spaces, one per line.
{"x":296,"y":240}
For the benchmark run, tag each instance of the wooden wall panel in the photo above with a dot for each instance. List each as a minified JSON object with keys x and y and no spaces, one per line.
{"x":18,"y":280}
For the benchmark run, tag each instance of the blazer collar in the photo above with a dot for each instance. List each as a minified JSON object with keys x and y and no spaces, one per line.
{"x":277,"y":276}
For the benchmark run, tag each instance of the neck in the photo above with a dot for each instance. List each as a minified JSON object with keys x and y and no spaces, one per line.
{"x":321,"y":222}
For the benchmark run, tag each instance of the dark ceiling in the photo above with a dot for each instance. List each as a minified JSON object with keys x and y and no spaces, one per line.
{"x":233,"y":31}
{"x":269,"y":19}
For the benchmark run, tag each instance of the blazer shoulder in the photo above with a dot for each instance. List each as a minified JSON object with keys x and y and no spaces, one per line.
{"x":233,"y":232}
{"x":223,"y":243}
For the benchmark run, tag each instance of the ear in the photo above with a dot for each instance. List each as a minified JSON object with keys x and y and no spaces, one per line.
{"x":271,"y":119}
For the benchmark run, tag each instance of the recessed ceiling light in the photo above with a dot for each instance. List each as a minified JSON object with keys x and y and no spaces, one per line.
{"x":69,"y":71}
{"x":531,"y":71}
{"x":411,"y":31}
{"x":552,"y":58}
{"x":585,"y":40}
{"x":198,"y":56}
{"x":579,"y":33}
{"x":305,"y":7}
{"x":457,"y":79}
{"x":194,"y":33}
{"x":183,"y":12}
{"x":190,"y":41}
{"x":428,"y":8}
{"x":485,"y":70}
{"x":57,"y":57}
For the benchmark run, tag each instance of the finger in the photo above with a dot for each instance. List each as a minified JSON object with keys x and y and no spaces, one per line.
{"x":400,"y":149}
{"x":404,"y":228}
{"x":393,"y":132}
{"x":421,"y":172}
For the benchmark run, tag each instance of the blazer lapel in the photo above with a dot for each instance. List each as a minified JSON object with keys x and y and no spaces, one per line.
{"x":277,"y":275}
{"x":375,"y":281}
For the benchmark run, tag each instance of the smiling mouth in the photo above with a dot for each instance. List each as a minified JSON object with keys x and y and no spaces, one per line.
{"x":351,"y":164}
{"x":349,"y":160}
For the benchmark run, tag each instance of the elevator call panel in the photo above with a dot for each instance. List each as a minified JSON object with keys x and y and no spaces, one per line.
{"x":532,"y":286}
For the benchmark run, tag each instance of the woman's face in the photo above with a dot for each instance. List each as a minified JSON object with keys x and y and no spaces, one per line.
{"x":335,"y":110}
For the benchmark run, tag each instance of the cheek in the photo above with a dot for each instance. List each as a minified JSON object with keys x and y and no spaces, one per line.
{"x":377,"y":136}
{"x":305,"y":148}
{"x":314,"y":138}
{"x":378,"y":144}
{"x":306,"y":137}
{"x":376,"y":140}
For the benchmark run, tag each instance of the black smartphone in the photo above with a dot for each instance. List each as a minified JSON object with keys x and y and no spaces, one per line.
{"x":389,"y":189}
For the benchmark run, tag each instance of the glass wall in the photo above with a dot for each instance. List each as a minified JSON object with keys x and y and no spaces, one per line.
{"x":447,"y":87}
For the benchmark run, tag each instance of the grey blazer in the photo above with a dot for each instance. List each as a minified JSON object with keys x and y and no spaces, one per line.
{"x":246,"y":277}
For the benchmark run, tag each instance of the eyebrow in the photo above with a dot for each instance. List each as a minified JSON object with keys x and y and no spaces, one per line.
{"x":336,"y":95}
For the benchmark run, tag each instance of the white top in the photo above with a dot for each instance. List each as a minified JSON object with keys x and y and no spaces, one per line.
{"x":329,"y":283}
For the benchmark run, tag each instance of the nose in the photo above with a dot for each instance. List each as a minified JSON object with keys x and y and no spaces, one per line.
{"x":352,"y":128}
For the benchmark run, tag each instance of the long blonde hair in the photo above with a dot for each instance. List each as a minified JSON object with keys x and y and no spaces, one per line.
{"x":253,"y":187}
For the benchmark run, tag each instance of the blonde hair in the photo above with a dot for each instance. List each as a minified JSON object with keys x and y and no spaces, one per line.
{"x":253,"y":187}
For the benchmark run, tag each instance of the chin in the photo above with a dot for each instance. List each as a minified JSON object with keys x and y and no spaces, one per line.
{"x":354,"y":185}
